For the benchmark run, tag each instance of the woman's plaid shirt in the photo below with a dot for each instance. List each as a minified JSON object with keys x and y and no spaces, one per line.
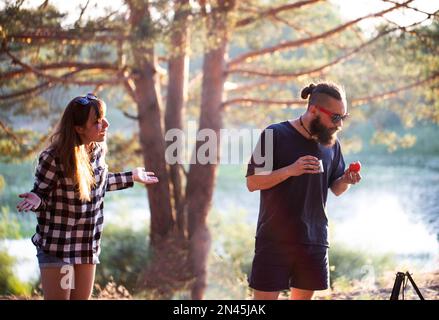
{"x":68,"y":227}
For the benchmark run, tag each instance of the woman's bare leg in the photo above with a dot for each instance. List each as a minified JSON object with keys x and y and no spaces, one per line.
{"x":52,"y":280}
{"x":84,"y":280}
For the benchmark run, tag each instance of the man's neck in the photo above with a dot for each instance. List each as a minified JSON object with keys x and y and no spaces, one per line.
{"x":303,"y":130}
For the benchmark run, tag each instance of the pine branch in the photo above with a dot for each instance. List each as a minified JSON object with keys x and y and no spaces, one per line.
{"x":301,"y":30}
{"x":309,"y":72}
{"x":34,"y":91}
{"x":255,"y":84}
{"x":389,"y":94}
{"x":65,"y":79}
{"x":28,"y":151}
{"x":130,"y":116}
{"x":79,"y":35}
{"x":60,"y":65}
{"x":429,"y":14}
{"x":309,"y":40}
{"x":9,"y":132}
{"x":274,"y":11}
{"x":292,"y":26}
{"x":55,"y":79}
{"x":83,"y":9}
{"x":318,"y":70}
{"x":354,"y":102}
{"x":129,"y":85}
{"x":255,"y":101}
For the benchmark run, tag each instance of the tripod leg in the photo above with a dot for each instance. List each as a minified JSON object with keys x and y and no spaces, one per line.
{"x":414,"y":285}
{"x":397,"y":286}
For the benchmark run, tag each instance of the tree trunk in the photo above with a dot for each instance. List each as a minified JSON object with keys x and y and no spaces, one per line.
{"x":176,"y":262}
{"x":178,"y":71}
{"x":147,"y":96}
{"x":153,"y":148}
{"x":168,"y":271}
{"x":201,"y":178}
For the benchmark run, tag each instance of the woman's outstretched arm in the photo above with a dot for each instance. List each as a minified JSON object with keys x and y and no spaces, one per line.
{"x":45,"y":181}
{"x":123,"y":180}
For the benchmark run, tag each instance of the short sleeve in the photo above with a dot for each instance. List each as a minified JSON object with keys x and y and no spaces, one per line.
{"x":338,"y":164}
{"x":262,"y":156}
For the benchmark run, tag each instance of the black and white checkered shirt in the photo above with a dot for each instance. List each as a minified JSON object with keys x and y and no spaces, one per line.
{"x":68,"y":227}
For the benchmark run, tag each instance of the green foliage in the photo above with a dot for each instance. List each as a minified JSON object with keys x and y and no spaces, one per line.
{"x":123,"y":152}
{"x":9,"y":283}
{"x":19,"y":147}
{"x":9,"y":225}
{"x":233,"y":240}
{"x":231,"y":256}
{"x":18,"y":178}
{"x":348,"y":264}
{"x":14,"y":19}
{"x":393,"y":141}
{"x":2,"y":183}
{"x":124,"y":255}
{"x":421,"y":139}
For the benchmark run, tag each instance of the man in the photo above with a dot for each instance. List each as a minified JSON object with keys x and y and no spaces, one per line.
{"x":291,"y":249}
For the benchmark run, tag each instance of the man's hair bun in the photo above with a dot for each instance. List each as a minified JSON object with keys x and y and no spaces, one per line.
{"x":307,"y":91}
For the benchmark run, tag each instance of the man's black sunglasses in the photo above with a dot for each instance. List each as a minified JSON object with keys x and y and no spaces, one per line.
{"x":335,"y":117}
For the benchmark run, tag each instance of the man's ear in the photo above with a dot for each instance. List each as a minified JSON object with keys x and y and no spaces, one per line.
{"x":312,"y":109}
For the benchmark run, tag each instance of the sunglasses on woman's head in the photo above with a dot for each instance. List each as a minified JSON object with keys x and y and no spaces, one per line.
{"x":85,"y":100}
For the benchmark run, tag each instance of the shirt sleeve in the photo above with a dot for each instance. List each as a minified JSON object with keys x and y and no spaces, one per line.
{"x":338,"y":165}
{"x":119,"y":181}
{"x":45,"y":178}
{"x":258,"y":160}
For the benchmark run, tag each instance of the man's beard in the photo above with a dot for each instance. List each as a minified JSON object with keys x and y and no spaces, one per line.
{"x":324,"y":135}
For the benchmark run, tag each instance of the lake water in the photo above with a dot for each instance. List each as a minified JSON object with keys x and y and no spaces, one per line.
{"x":395,"y":209}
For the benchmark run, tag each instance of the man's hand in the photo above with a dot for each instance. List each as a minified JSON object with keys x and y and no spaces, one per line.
{"x":351,"y":177}
{"x":145,"y":177}
{"x":30,"y":202}
{"x":305,"y":164}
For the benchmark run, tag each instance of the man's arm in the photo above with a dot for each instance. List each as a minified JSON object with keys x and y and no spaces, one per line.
{"x":263,"y":181}
{"x":343,"y":183}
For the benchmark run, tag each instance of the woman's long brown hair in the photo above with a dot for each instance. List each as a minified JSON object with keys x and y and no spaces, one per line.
{"x":67,"y":144}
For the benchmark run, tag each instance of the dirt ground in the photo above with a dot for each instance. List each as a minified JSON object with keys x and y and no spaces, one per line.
{"x":428,"y":284}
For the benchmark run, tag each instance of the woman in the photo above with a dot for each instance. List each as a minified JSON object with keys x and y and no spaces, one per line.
{"x":70,"y":184}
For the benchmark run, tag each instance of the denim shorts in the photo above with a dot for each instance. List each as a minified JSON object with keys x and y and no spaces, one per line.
{"x":46,"y":260}
{"x":301,"y":267}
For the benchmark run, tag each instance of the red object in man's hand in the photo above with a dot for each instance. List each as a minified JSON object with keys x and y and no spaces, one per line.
{"x":355,"y":166}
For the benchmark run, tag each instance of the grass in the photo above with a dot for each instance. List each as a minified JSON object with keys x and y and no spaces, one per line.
{"x":9,"y":283}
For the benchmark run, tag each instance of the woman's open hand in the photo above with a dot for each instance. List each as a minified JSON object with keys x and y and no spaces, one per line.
{"x":142,"y":176}
{"x":30,"y":202}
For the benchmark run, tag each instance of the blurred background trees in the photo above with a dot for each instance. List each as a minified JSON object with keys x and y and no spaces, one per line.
{"x":222,"y":63}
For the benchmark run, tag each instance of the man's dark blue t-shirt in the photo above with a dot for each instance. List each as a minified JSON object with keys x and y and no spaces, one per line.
{"x":294,"y":211}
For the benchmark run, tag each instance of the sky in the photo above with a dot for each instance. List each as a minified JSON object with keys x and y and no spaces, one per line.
{"x":351,"y":9}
